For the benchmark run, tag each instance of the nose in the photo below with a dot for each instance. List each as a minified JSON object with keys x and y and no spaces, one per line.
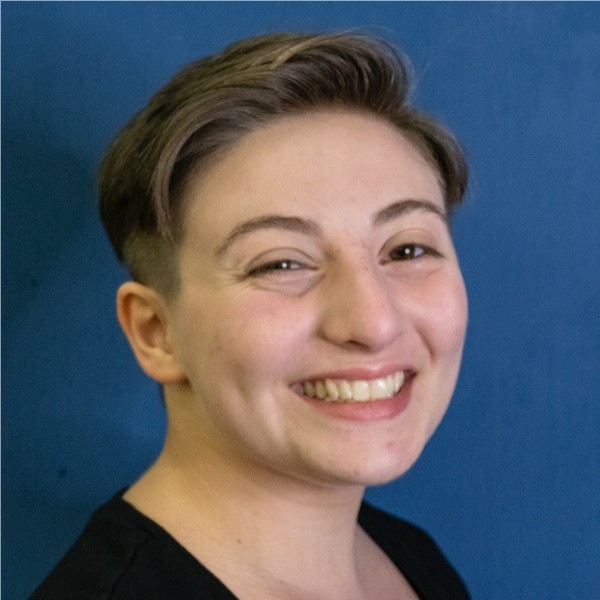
{"x":360,"y":308}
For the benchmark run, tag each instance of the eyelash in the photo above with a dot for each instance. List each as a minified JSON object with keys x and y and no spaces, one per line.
{"x":274,"y":267}
{"x":407,"y":252}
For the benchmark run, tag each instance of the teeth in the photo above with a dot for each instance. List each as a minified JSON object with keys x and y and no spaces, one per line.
{"x":321,"y":390}
{"x":344,"y":390}
{"x":378,"y":389}
{"x":398,"y":379}
{"x":360,"y":390}
{"x":332,"y":389}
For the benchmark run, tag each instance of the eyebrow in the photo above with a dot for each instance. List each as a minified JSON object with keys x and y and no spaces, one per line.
{"x":296,"y":224}
{"x":310,"y":227}
{"x":397,"y":209}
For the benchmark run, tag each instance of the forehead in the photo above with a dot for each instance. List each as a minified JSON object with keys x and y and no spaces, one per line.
{"x":307,"y":163}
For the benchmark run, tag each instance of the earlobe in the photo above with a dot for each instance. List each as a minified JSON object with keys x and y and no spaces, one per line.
{"x":142,"y":314}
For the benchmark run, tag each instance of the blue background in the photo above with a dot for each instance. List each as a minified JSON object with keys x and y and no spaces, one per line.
{"x":510,"y":485}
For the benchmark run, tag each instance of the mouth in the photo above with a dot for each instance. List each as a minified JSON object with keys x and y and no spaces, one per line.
{"x":354,"y":390}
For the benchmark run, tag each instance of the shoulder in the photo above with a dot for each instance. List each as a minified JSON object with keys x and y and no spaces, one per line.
{"x":415,"y":553}
{"x":122,"y":555}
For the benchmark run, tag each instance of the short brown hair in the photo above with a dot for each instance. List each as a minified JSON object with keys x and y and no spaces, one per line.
{"x":213,"y":103}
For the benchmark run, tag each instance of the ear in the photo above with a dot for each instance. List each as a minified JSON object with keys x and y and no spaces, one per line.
{"x":143,"y":316}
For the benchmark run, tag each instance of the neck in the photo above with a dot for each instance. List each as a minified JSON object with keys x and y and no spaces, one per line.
{"x":243,"y":523}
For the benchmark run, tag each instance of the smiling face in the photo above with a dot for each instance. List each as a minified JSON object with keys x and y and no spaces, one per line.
{"x":321,"y":314}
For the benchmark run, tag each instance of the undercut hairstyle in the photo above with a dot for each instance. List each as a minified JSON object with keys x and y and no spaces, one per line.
{"x":213,"y":103}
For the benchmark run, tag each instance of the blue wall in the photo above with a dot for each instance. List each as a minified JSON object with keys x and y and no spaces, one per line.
{"x":510,"y":485}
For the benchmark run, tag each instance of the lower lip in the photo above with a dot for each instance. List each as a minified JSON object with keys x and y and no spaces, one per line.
{"x":371,"y":410}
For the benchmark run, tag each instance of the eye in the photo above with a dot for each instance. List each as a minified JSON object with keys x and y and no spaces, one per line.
{"x":275,"y":266}
{"x":412,"y":252}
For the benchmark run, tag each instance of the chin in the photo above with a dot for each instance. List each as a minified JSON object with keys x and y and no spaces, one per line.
{"x":388,"y":473}
{"x":381,"y":468}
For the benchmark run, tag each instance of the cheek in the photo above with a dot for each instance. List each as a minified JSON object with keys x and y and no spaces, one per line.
{"x":256,"y":333}
{"x":443,"y":315}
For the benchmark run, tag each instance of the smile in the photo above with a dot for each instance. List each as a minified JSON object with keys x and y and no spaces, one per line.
{"x":361,"y":390}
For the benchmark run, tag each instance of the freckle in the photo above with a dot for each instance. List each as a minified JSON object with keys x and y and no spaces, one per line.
{"x":238,"y":541}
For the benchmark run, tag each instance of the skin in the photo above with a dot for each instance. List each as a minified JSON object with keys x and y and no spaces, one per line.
{"x":367,"y":284}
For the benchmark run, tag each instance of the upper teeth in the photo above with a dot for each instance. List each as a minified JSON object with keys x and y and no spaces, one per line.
{"x":344,"y":390}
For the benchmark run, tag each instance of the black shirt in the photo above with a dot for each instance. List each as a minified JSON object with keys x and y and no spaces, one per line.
{"x":123,"y":555}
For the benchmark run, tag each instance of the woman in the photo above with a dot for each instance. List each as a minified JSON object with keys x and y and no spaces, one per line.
{"x":284,"y":215}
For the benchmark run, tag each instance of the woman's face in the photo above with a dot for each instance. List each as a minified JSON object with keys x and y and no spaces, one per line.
{"x":321,"y":315}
